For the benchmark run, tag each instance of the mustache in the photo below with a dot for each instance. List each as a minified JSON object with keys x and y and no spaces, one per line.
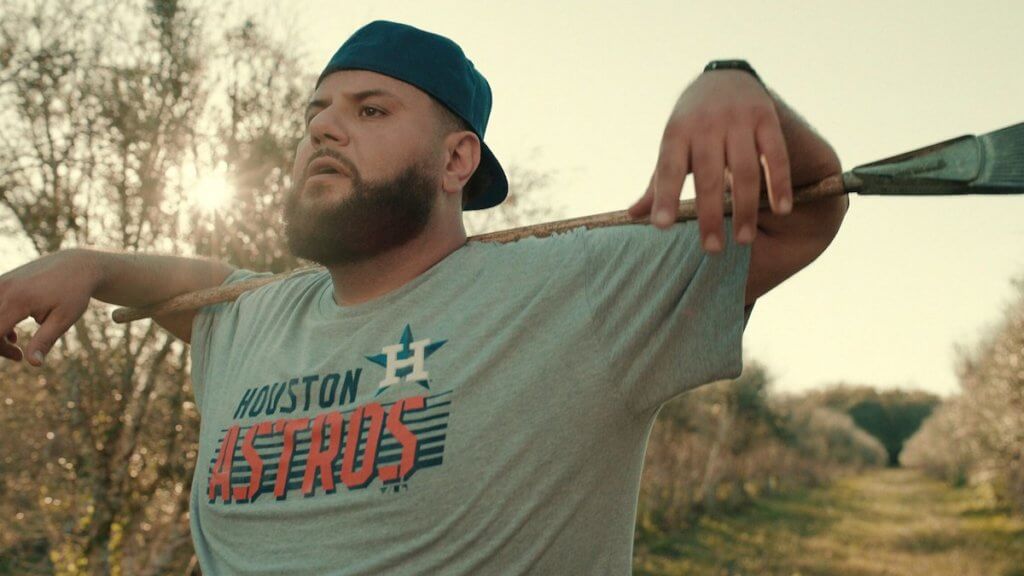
{"x":337,"y":156}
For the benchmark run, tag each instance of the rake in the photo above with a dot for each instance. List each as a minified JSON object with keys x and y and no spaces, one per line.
{"x":992,"y":163}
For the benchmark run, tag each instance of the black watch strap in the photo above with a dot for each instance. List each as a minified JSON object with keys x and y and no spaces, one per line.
{"x":734,"y":65}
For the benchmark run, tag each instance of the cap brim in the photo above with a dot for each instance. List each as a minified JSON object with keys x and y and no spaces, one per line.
{"x":497,"y":191}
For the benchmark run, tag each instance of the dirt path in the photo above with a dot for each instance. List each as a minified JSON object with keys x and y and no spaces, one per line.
{"x":886,"y":522}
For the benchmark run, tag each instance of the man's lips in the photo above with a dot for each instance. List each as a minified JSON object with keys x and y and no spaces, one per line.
{"x":326,"y":166}
{"x":325,"y":176}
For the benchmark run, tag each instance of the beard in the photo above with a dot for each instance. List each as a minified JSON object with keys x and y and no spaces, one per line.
{"x":377,"y":216}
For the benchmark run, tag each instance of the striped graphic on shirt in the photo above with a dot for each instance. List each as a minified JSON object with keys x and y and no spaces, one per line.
{"x":313,"y":455}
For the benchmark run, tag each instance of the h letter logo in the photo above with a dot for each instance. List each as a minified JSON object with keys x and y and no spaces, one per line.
{"x":405,"y":361}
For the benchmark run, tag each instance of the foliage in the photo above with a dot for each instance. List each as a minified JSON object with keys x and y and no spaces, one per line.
{"x":940,"y":446}
{"x":977,"y":436}
{"x":109,"y":113}
{"x":892,"y":416}
{"x":100,"y":109}
{"x":821,"y":434}
{"x":726,"y":444}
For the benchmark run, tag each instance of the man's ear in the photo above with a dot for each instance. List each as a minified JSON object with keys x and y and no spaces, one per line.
{"x":462,"y":150}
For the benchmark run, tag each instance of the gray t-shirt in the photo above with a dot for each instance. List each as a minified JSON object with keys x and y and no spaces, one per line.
{"x":488,"y":417}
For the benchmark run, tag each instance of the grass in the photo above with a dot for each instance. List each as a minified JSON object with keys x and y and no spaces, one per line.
{"x":889,"y":522}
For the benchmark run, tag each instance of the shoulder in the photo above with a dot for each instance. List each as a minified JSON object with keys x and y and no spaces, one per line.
{"x":681,"y":235}
{"x":555,"y":251}
{"x":297,"y":281}
{"x":259,"y":298}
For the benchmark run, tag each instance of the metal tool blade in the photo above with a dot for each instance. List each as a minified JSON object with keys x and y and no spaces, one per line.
{"x":992,"y":163}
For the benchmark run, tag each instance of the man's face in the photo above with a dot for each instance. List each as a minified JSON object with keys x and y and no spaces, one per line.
{"x":367,"y":171}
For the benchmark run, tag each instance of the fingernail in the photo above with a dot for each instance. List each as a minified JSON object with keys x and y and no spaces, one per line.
{"x":37,"y":356}
{"x":785,"y":205}
{"x":745,"y":235}
{"x":663,"y":218}
{"x":712,"y":243}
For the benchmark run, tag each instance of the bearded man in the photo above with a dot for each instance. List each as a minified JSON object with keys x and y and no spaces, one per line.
{"x":427,"y":405}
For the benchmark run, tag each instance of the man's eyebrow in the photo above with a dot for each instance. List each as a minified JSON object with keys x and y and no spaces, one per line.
{"x":315,"y":104}
{"x":358,"y":97}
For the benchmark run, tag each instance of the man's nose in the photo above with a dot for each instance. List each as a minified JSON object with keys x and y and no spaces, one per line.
{"x":327,"y":127}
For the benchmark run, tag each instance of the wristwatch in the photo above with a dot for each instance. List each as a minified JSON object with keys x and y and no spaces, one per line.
{"x":734,"y":65}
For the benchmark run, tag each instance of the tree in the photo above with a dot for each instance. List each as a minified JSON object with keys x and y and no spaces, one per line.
{"x":102,"y":109}
{"x":977,"y":436}
{"x":892,"y":416}
{"x":107,"y":113}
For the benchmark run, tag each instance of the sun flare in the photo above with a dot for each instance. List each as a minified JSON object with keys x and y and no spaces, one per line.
{"x":211,"y":192}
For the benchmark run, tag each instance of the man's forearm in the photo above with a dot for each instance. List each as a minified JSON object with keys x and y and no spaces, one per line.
{"x":811,"y":159}
{"x":139,"y":280}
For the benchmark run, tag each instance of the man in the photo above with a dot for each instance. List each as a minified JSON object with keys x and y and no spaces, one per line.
{"x":426,"y":405}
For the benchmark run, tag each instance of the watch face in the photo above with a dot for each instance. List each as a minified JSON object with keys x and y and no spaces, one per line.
{"x":733,"y":65}
{"x":723,"y":64}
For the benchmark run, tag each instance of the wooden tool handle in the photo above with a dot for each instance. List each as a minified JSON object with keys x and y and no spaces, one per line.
{"x":831,"y":186}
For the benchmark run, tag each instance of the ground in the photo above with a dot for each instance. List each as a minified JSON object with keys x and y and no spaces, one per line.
{"x":890,"y":522}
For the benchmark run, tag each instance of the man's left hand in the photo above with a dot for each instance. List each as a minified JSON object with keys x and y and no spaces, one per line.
{"x":724,"y":121}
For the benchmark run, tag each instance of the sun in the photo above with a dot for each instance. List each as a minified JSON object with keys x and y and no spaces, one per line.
{"x":211,"y":192}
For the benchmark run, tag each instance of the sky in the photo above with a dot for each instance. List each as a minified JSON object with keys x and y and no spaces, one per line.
{"x":582,"y":90}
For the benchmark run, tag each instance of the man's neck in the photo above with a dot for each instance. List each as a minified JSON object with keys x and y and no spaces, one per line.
{"x":373,"y":278}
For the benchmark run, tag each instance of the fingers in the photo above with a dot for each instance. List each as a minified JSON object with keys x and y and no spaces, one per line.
{"x":772,"y":145}
{"x":709,"y":179}
{"x":56,"y":323}
{"x":8,"y":320}
{"x":10,"y":316}
{"x":8,"y":348}
{"x":642,"y":207}
{"x":741,"y":156}
{"x":669,"y":176}
{"x":709,"y":133}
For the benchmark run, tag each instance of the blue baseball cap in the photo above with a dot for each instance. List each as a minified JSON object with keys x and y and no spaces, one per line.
{"x":438,"y":66}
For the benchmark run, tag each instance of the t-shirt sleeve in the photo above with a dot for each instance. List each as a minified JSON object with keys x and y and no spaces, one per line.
{"x":204,"y":329}
{"x":668,"y":316}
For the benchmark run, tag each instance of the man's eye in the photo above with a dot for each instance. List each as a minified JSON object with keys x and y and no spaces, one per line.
{"x":375,"y":112}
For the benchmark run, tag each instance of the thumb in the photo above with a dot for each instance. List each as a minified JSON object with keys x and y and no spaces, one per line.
{"x":45,"y":338}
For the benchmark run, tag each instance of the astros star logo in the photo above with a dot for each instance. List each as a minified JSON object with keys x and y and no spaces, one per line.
{"x":405,"y":361}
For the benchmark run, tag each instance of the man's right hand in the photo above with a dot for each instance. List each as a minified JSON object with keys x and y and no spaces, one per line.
{"x":55,"y":291}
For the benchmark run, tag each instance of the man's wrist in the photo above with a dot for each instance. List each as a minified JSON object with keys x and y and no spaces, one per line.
{"x":91,"y":263}
{"x":735,"y":64}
